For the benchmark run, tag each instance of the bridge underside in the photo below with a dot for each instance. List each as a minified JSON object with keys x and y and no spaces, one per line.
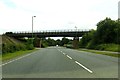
{"x":39,"y":35}
{"x":47,"y":34}
{"x":38,"y":42}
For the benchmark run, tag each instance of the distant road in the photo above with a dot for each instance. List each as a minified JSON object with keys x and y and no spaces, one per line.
{"x":58,"y":62}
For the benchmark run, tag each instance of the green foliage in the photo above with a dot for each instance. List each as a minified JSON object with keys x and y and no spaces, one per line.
{"x":91,"y":45}
{"x":65,"y":40}
{"x":11,"y":45}
{"x":29,"y":44}
{"x":102,"y":52}
{"x":106,"y":31}
{"x":86,"y":39}
{"x":51,"y":42}
{"x":108,"y":47}
{"x":69,"y":46}
{"x":106,"y":37}
{"x":44,"y":43}
{"x":58,"y":42}
{"x":117,"y":31}
{"x":16,"y":54}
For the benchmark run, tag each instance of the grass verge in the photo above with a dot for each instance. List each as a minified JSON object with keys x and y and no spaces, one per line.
{"x":108,"y":47}
{"x":9,"y":56}
{"x":101,"y":52}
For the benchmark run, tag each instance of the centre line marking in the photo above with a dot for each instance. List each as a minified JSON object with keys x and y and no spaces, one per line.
{"x":90,"y":71}
{"x":84,"y":67}
{"x":69,"y":57}
{"x":64,"y":53}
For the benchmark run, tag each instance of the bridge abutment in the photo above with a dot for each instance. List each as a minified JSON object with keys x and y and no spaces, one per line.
{"x":38,"y":42}
{"x":75,"y":42}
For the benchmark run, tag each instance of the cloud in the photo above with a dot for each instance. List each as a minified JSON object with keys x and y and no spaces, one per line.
{"x":54,"y":14}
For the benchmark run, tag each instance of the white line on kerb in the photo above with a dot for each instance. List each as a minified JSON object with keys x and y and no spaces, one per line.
{"x":14,"y":60}
{"x":69,"y":57}
{"x":84,"y":67}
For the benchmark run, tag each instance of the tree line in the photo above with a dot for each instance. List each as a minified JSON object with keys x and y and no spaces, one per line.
{"x":106,"y":36}
{"x":52,"y":42}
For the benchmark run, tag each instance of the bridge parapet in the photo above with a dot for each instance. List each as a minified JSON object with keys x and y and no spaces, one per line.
{"x":47,"y":31}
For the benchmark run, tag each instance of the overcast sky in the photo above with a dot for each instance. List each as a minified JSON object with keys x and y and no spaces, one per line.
{"x":16,"y":15}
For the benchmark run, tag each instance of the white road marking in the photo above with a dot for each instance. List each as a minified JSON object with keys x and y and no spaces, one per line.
{"x":69,"y":57}
{"x":84,"y":67}
{"x":15,"y":59}
{"x":64,"y":53}
{"x":90,"y":71}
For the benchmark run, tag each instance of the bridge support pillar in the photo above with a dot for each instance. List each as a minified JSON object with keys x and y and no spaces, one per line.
{"x":38,"y":42}
{"x":75,"y":42}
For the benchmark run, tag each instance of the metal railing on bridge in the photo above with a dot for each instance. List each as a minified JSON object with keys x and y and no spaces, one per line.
{"x":47,"y":31}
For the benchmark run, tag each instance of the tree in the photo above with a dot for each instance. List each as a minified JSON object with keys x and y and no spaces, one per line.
{"x":58,"y":42}
{"x":86,"y":38}
{"x":117,"y":32}
{"x":64,"y":41}
{"x":51,"y":42}
{"x":105,"y":31}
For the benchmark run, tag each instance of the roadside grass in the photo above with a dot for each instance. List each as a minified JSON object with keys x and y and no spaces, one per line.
{"x":9,"y":56}
{"x":108,"y":47}
{"x":101,"y":52}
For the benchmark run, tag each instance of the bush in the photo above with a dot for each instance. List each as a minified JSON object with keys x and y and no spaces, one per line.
{"x":29,"y":46}
{"x":108,"y":47}
{"x":69,"y":46}
{"x":43,"y":45}
{"x":90,"y":45}
{"x":101,"y":47}
{"x":11,"y":45}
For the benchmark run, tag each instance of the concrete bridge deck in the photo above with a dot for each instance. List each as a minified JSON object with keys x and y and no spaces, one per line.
{"x":49,"y":33}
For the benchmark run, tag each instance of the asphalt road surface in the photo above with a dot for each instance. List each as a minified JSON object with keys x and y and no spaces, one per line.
{"x":59,"y":62}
